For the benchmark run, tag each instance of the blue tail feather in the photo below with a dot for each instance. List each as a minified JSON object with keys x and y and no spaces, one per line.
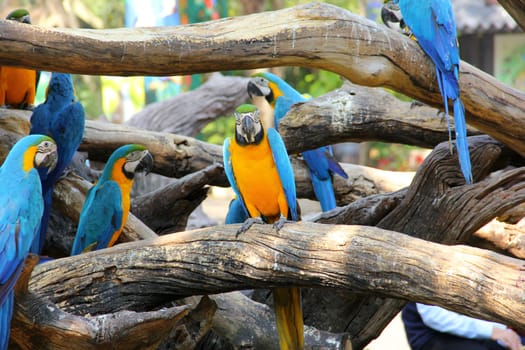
{"x":461,"y":140}
{"x":324,"y":192}
{"x":6,"y":313}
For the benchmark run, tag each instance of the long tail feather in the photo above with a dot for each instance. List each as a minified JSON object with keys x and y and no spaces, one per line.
{"x":324,"y":192}
{"x":461,"y":140}
{"x":6,"y":312}
{"x":289,"y":318}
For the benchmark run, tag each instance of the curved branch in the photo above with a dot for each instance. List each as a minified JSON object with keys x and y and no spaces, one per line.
{"x":312,"y":35}
{"x":355,"y":113}
{"x":301,"y":254}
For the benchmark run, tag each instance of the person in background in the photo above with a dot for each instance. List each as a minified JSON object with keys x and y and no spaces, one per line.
{"x":434,"y":328}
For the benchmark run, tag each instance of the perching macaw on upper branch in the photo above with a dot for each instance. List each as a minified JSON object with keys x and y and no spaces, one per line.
{"x":106,"y":208}
{"x":268,"y":88}
{"x":259,"y":171}
{"x":433,"y":25}
{"x":21,"y":208}
{"x":18,"y":85}
{"x":62,"y":118}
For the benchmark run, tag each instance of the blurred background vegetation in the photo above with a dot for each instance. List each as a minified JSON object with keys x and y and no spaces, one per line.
{"x":116,"y":99}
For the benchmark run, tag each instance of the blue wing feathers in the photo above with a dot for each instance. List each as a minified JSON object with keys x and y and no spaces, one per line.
{"x":285,"y":170}
{"x":6,"y":313}
{"x":104,"y":203}
{"x":434,"y":26}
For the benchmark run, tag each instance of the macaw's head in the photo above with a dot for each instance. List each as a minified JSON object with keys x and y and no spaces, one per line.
{"x":248,"y":127}
{"x":129,"y":160}
{"x":33,"y":151}
{"x":19,"y":15}
{"x":259,"y":86}
{"x":391,"y":15}
{"x":60,"y":88}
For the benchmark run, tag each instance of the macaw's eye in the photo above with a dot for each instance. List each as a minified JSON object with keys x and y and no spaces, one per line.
{"x":136,"y":155}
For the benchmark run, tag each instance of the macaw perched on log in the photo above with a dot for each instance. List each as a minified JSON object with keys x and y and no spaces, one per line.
{"x":259,"y":170}
{"x":62,"y":118}
{"x":21,"y":208}
{"x":432,"y":23}
{"x":268,"y":88}
{"x":106,"y":208}
{"x":18,"y":85}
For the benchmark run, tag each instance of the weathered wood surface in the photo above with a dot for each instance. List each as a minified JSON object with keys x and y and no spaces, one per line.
{"x":187,"y":113}
{"x":312,"y":35}
{"x":436,"y":195}
{"x":38,"y":324}
{"x":356,"y":258}
{"x":356,"y":113}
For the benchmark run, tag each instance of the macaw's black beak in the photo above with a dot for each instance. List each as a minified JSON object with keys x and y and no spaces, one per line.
{"x":248,"y":128}
{"x":146,"y":164}
{"x":253,"y":90}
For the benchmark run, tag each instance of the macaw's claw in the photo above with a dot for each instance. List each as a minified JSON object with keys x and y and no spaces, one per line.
{"x":278,"y":225}
{"x":247,"y":224}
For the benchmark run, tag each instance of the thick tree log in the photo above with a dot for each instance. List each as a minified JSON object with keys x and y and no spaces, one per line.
{"x":355,"y":113}
{"x":39,"y":325}
{"x":507,"y":237}
{"x":174,"y":155}
{"x":313,"y":35}
{"x":458,"y":213}
{"x":187,"y":113}
{"x":357,"y":258}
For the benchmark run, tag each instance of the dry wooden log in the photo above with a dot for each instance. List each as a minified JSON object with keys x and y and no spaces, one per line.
{"x":313,"y":35}
{"x":37,"y":324}
{"x":187,"y":113}
{"x":507,"y":237}
{"x":515,"y":9}
{"x":355,"y":113}
{"x":468,"y":207}
{"x":357,"y":258}
{"x":174,"y":155}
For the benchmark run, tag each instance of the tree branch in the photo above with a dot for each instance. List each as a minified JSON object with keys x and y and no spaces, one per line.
{"x":357,"y":258}
{"x":515,"y":9}
{"x":312,"y":35}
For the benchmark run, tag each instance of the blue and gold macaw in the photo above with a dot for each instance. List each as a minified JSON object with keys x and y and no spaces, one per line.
{"x":62,"y":118}
{"x":432,"y":23}
{"x":259,"y":171}
{"x":18,"y":85}
{"x":21,"y":208}
{"x":268,"y":88}
{"x":106,"y":208}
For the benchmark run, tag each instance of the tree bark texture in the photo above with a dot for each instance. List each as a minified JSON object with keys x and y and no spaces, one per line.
{"x":355,"y":258}
{"x":312,"y":35}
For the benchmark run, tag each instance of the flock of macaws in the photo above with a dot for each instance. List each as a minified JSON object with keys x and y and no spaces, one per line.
{"x":256,"y":161}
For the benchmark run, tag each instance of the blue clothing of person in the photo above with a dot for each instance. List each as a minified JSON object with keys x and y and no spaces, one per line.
{"x":432,"y":327}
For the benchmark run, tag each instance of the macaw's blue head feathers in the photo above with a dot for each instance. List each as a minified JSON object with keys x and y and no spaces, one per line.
{"x":248,"y":127}
{"x":19,"y":15}
{"x":60,"y":88}
{"x":128,"y":160}
{"x":33,"y":151}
